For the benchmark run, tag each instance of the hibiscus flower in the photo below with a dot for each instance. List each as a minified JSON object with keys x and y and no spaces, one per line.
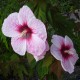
{"x":63,"y":50}
{"x":27,"y":33}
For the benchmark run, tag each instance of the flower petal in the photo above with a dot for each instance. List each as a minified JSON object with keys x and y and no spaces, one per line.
{"x":10,"y":25}
{"x":38,"y":57}
{"x":38,"y":28}
{"x":68,"y":42}
{"x":72,"y":51}
{"x":43,"y":54}
{"x":46,"y":49}
{"x":35,"y":45}
{"x":56,"y":52}
{"x":19,"y":45}
{"x":58,"y":41}
{"x":25,"y":15}
{"x":67,"y":66}
{"x":74,"y":58}
{"x":47,"y":46}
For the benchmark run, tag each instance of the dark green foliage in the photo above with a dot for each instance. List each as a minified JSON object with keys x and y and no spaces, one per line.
{"x":43,"y":66}
{"x":51,"y":13}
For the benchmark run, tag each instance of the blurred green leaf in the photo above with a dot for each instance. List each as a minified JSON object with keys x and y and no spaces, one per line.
{"x":14,"y":57}
{"x":30,"y":58}
{"x":43,"y":66}
{"x":40,"y":11}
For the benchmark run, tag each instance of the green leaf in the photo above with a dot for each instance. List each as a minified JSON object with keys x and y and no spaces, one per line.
{"x":47,"y":60}
{"x":29,"y":57}
{"x":43,"y":66}
{"x":19,"y":70}
{"x":32,"y":4}
{"x":14,"y":57}
{"x":23,"y":68}
{"x":20,"y":74}
{"x":40,"y":11}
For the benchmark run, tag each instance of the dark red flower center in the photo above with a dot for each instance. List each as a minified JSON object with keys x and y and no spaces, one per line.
{"x":25,"y":31}
{"x":65,"y":51}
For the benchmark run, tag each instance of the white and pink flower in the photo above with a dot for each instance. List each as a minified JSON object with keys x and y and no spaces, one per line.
{"x":62,"y":49}
{"x":43,"y":54}
{"x":27,"y":33}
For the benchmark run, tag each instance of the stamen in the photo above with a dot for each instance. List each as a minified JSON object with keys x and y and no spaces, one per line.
{"x":25,"y":31}
{"x":68,"y":51}
{"x":23,"y":34}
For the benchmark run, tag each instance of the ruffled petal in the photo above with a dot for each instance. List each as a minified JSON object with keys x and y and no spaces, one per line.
{"x":10,"y":25}
{"x":43,"y":54}
{"x":67,"y":66}
{"x":56,"y":52}
{"x":58,"y":41}
{"x":68,"y":42}
{"x":72,"y":51}
{"x":74,"y":58}
{"x":37,"y":58}
{"x":25,"y":15}
{"x":38,"y":28}
{"x":47,"y":46}
{"x":35,"y":45}
{"x":19,"y":45}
